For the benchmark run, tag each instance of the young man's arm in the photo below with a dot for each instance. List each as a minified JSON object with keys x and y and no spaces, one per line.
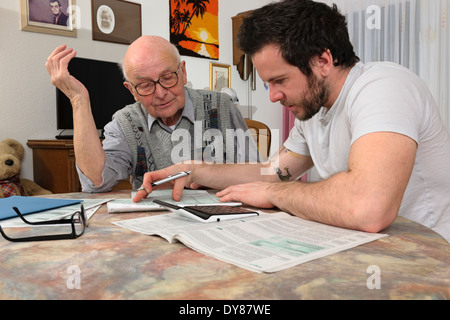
{"x":367,"y":197}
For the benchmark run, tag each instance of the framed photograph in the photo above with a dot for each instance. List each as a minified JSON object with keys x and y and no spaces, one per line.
{"x":116,"y":21}
{"x":52,"y":17}
{"x":219,"y":76}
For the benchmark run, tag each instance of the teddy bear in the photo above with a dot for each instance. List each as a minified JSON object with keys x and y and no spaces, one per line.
{"x":11,"y":155}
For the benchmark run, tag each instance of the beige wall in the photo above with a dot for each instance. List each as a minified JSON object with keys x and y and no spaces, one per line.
{"x":27,"y":98}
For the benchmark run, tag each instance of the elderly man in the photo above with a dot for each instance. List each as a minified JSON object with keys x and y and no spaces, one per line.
{"x":143,"y":136}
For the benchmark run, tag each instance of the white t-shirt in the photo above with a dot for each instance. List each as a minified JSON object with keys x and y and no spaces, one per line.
{"x":385,"y":97}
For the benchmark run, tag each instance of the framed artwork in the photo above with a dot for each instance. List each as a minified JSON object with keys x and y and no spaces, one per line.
{"x":52,"y":17}
{"x":116,"y":21}
{"x":219,"y":76}
{"x":194,"y":27}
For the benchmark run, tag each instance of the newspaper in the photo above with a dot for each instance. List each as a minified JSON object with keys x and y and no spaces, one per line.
{"x":268,"y":243}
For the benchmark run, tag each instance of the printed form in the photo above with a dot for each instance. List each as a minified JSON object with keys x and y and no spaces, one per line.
{"x":269,"y":242}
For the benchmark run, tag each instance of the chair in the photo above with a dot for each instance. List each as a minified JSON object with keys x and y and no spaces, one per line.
{"x":261,"y":134}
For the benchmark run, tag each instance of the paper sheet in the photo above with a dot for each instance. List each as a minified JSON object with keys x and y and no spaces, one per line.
{"x":266,"y":243}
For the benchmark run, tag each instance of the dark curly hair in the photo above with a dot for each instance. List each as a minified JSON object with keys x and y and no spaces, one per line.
{"x":303,"y":29}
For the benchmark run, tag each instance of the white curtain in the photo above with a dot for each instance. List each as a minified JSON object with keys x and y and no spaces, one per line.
{"x":413,"y":33}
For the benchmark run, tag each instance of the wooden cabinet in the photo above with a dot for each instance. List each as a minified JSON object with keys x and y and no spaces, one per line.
{"x":54,"y":166}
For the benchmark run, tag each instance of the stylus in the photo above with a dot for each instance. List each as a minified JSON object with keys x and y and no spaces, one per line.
{"x":169,"y":178}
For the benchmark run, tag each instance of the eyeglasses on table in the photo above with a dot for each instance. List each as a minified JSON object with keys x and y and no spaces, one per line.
{"x":77,"y":221}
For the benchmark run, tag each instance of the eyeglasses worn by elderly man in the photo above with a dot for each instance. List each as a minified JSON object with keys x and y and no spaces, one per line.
{"x":167,"y":81}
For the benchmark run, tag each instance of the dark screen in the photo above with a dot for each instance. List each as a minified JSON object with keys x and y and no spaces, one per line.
{"x":104,"y":81}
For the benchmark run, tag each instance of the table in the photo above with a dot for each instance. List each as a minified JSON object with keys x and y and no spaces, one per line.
{"x":110,"y":262}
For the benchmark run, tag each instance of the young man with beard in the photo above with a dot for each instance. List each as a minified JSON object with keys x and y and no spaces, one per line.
{"x":371,"y":131}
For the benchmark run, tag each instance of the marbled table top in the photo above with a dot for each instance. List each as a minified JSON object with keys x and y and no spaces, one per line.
{"x":110,"y":262}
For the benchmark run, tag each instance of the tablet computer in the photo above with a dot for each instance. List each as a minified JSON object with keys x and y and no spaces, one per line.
{"x":210,"y":213}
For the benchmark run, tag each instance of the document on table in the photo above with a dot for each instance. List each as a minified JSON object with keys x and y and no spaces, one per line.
{"x":269,"y":242}
{"x":29,"y":205}
{"x":90,"y":207}
{"x":190,"y":198}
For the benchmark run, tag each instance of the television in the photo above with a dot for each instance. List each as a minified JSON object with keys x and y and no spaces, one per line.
{"x":104,"y":81}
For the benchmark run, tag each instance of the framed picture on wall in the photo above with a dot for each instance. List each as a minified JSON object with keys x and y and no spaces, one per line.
{"x":219,"y":76}
{"x":116,"y":21}
{"x":194,"y":27}
{"x":52,"y":17}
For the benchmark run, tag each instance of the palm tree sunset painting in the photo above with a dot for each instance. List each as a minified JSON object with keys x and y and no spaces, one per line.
{"x":194,"y":27}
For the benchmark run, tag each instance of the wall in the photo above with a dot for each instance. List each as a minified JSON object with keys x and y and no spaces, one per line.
{"x":27,"y":98}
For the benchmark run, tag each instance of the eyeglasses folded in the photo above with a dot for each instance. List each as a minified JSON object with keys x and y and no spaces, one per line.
{"x":77,"y":222}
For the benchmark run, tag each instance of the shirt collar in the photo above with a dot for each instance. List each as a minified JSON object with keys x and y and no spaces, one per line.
{"x":188,"y":112}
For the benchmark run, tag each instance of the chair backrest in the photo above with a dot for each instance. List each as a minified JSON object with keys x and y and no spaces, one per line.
{"x":261,"y":134}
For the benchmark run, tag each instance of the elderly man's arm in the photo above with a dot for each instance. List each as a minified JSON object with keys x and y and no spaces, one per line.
{"x":118,"y":161}
{"x":88,"y":149}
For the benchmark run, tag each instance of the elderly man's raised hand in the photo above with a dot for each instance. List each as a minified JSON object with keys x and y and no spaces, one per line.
{"x":57,"y":66}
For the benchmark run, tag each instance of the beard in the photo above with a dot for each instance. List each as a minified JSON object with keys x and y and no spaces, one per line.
{"x":315,"y":97}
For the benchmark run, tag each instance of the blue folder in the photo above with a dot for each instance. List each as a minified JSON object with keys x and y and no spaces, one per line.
{"x":27,"y":205}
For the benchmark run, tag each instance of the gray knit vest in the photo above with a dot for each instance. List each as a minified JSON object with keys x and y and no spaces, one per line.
{"x":151,"y":150}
